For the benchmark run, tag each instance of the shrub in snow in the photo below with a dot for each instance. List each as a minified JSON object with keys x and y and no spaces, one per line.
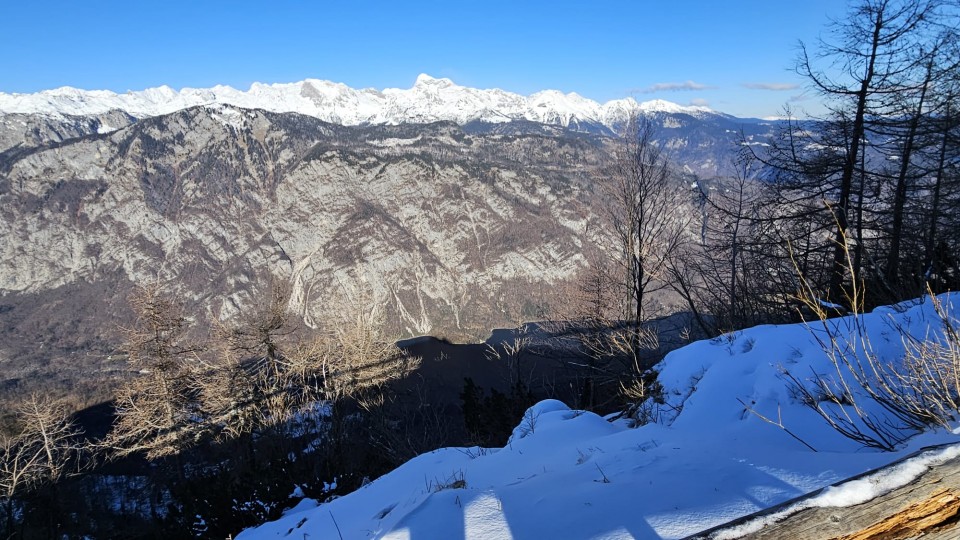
{"x":528,"y":425}
{"x":889,"y":378}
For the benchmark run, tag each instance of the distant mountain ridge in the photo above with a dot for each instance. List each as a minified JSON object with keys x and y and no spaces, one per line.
{"x":429,"y":100}
{"x":699,"y":140}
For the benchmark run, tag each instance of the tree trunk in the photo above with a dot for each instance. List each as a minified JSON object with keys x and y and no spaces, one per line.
{"x":892,"y":270}
{"x":840,"y":262}
{"x":935,"y":203}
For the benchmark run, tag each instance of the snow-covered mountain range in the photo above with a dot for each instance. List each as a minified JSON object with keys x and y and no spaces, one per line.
{"x":429,"y":100}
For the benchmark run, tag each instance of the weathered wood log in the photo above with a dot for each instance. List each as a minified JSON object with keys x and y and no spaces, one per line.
{"x":927,"y":507}
{"x":930,"y":514}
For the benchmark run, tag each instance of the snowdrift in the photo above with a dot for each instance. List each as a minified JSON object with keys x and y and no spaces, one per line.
{"x":707,"y":458}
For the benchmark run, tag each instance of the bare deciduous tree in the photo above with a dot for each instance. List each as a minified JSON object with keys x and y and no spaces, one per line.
{"x":835,"y":174}
{"x":715,"y":272}
{"x":249,"y":386}
{"x":40,"y":454}
{"x":646,"y":225}
{"x":643,"y":227}
{"x":155,"y":411}
{"x":644,"y":199}
{"x":352,"y":356}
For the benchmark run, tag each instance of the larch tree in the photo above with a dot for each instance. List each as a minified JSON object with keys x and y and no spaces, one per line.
{"x":156,"y":410}
{"x":871,"y":57}
{"x":248,"y":388}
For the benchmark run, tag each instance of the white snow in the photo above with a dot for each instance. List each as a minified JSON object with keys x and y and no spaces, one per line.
{"x":228,"y":116}
{"x":830,"y":305}
{"x":659,"y":105}
{"x":864,"y":489}
{"x":707,"y":458}
{"x":429,"y":100}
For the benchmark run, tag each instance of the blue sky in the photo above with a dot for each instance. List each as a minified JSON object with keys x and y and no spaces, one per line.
{"x":735,"y":56}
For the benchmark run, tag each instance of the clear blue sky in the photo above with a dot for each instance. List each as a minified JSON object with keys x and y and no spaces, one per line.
{"x":601,"y":49}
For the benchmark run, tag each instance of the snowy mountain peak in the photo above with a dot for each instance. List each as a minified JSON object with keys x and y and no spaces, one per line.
{"x":430,"y":99}
{"x":426,"y":80}
{"x":660,"y":105}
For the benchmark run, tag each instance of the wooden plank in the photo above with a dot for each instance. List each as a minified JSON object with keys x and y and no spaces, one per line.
{"x":929,"y":506}
{"x":916,"y":519}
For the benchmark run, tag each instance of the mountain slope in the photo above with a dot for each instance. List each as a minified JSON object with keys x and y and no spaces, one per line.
{"x":453,"y":232}
{"x":459,"y":225}
{"x":32,"y":130}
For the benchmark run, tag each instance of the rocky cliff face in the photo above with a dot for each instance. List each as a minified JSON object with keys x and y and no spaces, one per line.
{"x":31,"y":130}
{"x":451,"y":231}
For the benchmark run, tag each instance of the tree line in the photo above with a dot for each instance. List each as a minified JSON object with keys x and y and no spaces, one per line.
{"x":214,"y":433}
{"x":855,"y":208}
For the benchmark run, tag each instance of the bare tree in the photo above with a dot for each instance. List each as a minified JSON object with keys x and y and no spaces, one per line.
{"x":645,"y":224}
{"x":830,"y":170}
{"x":156,"y":410}
{"x":930,"y":206}
{"x":249,"y":387}
{"x":349,"y":364}
{"x":715,"y":272}
{"x":40,"y":454}
{"x":269,"y":372}
{"x":353,"y":356}
{"x":644,"y":201}
{"x":943,"y":191}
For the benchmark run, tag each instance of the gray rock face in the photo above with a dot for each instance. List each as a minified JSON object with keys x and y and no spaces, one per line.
{"x":31,"y":130}
{"x":451,"y":232}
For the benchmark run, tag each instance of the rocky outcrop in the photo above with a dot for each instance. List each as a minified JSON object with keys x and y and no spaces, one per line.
{"x":32,"y":130}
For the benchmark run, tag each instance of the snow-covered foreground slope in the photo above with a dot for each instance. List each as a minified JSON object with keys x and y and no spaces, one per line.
{"x":570,"y":474}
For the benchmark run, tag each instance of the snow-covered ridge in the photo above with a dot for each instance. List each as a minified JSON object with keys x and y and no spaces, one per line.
{"x":430,"y":99}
